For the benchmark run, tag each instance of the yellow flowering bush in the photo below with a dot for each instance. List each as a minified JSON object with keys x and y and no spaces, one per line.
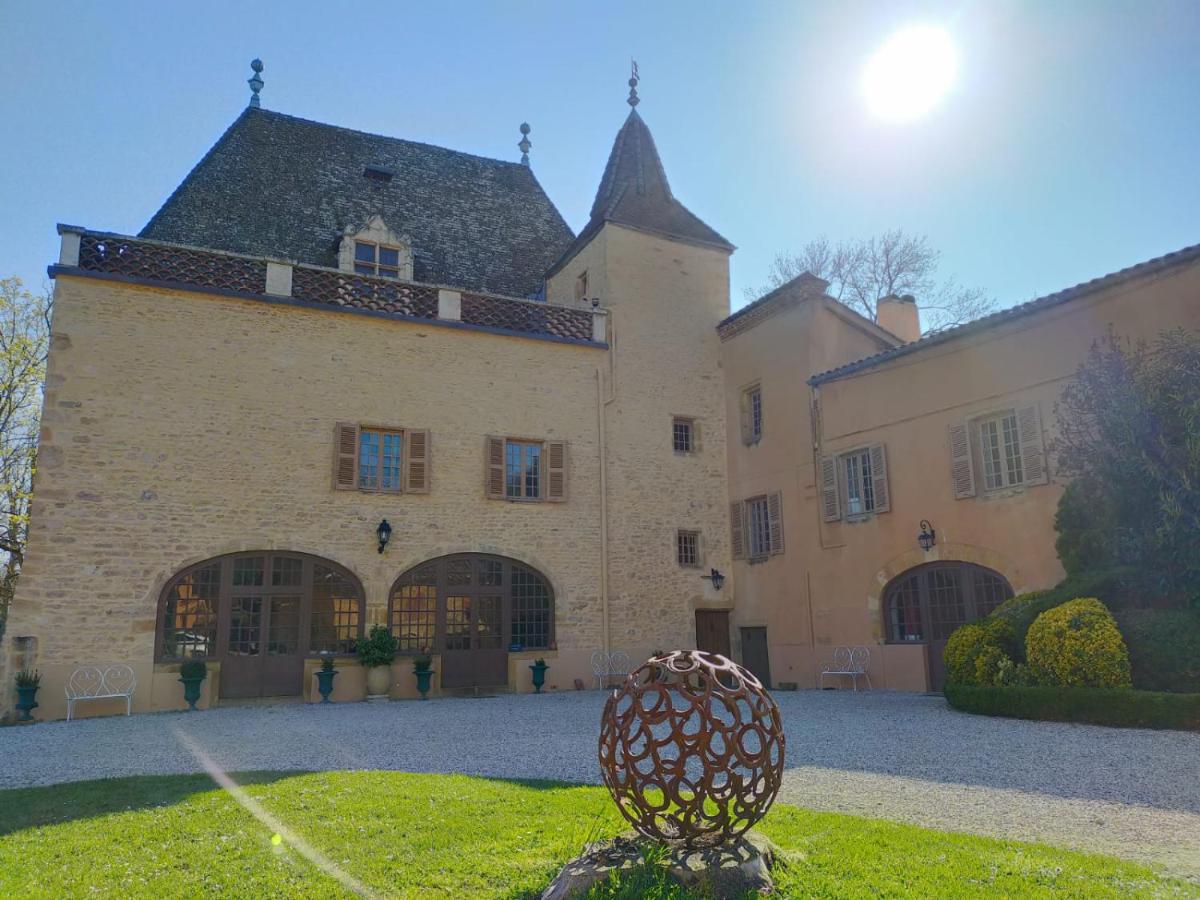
{"x":968,"y":646}
{"x":1078,"y":644}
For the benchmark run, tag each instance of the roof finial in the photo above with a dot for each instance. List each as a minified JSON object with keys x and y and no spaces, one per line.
{"x":255,"y":81}
{"x":633,"y":83}
{"x":524,"y":145}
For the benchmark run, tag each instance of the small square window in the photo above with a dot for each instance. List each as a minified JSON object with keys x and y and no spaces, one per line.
{"x":376,"y":259}
{"x":687,"y":549}
{"x":684,"y":436}
{"x":389,"y":256}
{"x":364,"y":252}
{"x":752,"y":415}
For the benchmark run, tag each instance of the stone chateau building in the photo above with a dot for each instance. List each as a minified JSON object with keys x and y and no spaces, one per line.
{"x":573,"y":444}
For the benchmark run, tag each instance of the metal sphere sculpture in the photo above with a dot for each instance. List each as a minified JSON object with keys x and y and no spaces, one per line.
{"x":691,"y":748}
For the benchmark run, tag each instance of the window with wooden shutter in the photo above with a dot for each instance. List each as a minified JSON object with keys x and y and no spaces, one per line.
{"x":830,"y":501}
{"x":556,"y":471}
{"x":494,"y":461}
{"x":525,"y":470}
{"x":879,"y":478}
{"x":962,"y":468}
{"x":1033,"y":449}
{"x":737,"y":529}
{"x":752,"y":414}
{"x":345,"y":456}
{"x":416,"y":470}
{"x":775,"y":522}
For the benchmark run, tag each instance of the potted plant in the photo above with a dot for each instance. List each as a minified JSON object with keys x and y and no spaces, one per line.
{"x":376,"y":652}
{"x":28,"y":683}
{"x":191,"y":673}
{"x":538,"y":669}
{"x":421,"y":668}
{"x":325,"y":678}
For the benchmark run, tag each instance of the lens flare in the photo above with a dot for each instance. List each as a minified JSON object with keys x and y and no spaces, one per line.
{"x":910,"y":74}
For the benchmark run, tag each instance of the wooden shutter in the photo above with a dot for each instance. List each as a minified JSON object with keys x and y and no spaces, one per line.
{"x":962,"y":469}
{"x":879,"y":478}
{"x":416,"y":465}
{"x":775,"y":521}
{"x":1033,"y":451}
{"x":556,"y":471}
{"x":830,"y":501}
{"x":493,"y":455}
{"x":695,"y":436}
{"x":345,"y":456}
{"x":737,"y":529}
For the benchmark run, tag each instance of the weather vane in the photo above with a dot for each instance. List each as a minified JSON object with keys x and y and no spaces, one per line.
{"x":633,"y":83}
{"x":255,"y":81}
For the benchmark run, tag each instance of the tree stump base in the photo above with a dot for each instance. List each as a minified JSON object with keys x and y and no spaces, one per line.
{"x":734,"y":869}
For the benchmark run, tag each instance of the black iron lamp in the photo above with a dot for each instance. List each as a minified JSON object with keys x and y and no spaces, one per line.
{"x":928,"y":537}
{"x":716,"y":578}
{"x":384,"y":532}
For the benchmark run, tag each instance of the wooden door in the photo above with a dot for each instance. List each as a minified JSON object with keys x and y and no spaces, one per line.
{"x":712,"y":631}
{"x":754,"y":653}
{"x":241,"y":665}
{"x":475,"y":651}
{"x":282,"y":663}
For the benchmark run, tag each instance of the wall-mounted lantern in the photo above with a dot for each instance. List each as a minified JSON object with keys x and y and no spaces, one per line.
{"x":384,"y":532}
{"x":716,"y":578}
{"x":928,"y":537}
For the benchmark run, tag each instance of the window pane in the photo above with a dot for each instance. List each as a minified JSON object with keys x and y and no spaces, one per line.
{"x":190,"y":614}
{"x":688,"y":548}
{"x":990,"y":591}
{"x":868,"y":481}
{"x":283,"y":633}
{"x":286,"y":571}
{"x":361,"y":269}
{"x":388,"y":273}
{"x":756,"y":413}
{"x":392,"y":459}
{"x":335,"y":612}
{"x":364,"y":252}
{"x":989,"y":442}
{"x":1012,"y":451}
{"x":533,"y":470}
{"x":458,"y":623}
{"x":904,"y":611}
{"x":760,"y":531}
{"x":512,"y":469}
{"x":368,"y":459}
{"x":248,"y":571}
{"x":531,"y":609}
{"x":245,"y":623}
{"x":390,"y":257}
{"x":854,"y":501}
{"x":683,"y":436}
{"x":946,"y":607}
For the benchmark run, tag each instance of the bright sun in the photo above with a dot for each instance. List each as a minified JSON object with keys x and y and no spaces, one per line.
{"x":910,"y":73}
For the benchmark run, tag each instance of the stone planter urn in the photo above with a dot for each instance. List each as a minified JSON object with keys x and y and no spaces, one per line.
{"x":325,"y":683}
{"x":191,"y":690}
{"x":379,"y":681}
{"x":423,"y":679}
{"x":539,"y":675}
{"x":27,"y":702}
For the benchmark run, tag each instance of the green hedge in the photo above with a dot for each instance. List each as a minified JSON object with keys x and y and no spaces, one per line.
{"x":1119,"y":707}
{"x":1164,"y":648}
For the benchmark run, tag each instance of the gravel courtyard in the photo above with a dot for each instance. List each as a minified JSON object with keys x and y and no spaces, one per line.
{"x":908,"y":757}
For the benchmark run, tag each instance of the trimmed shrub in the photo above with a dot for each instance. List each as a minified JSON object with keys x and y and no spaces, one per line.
{"x":968,"y":646}
{"x":1078,"y":644}
{"x":1118,"y":707}
{"x":1164,"y":648}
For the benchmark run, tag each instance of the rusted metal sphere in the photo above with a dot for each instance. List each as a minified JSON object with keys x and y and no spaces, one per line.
{"x":691,"y":748}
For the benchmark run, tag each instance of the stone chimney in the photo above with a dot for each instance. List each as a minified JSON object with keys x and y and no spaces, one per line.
{"x":899,"y":316}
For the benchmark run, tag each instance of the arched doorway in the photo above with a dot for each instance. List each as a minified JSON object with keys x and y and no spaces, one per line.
{"x":925,"y":604}
{"x":471,"y":608}
{"x":259,"y":615}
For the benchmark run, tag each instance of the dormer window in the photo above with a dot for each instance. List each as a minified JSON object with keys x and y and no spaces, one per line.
{"x":374,"y":249}
{"x":377,"y":259}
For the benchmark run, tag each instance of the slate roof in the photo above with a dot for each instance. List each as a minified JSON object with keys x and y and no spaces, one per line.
{"x":1154,"y":266}
{"x":634,"y":192}
{"x":284,"y":187}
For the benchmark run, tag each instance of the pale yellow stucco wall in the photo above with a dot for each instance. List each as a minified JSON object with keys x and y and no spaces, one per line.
{"x":909,"y":403}
{"x":806,"y":334}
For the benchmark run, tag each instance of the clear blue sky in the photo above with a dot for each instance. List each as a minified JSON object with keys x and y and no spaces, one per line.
{"x":1068,"y":148}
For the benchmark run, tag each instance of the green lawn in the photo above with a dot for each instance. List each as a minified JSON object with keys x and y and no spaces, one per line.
{"x":397,"y":834}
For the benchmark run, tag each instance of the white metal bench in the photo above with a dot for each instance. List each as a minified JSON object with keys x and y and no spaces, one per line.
{"x":94,"y":683}
{"x":849,"y":661}
{"x":606,"y":666}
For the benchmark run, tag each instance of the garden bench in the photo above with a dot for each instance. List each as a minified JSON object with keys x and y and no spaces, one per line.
{"x":94,"y":683}
{"x":850,"y":661}
{"x":609,"y":665}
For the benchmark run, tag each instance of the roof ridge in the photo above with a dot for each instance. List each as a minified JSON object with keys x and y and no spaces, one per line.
{"x":385,"y":137}
{"x":1190,"y":253}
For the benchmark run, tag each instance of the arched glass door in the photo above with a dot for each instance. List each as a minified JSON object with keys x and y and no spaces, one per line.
{"x":924,"y":605}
